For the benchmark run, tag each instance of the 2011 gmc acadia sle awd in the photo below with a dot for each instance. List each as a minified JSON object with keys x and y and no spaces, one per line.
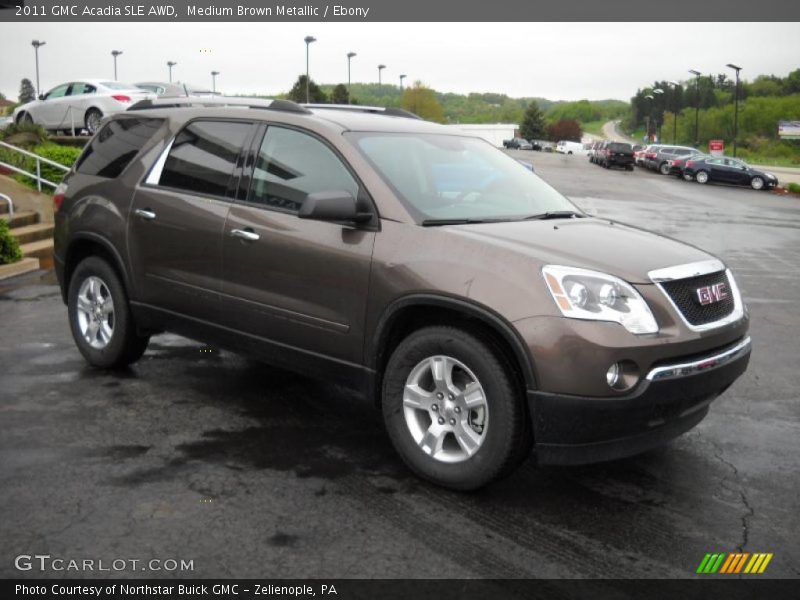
{"x":486,"y":315}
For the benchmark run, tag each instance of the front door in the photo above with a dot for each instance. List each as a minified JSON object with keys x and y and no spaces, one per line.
{"x":300,"y":283}
{"x":54,"y":109}
{"x":178,"y":215}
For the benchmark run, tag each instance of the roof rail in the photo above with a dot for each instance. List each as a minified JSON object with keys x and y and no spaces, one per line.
{"x":221,"y":101}
{"x":382,"y":110}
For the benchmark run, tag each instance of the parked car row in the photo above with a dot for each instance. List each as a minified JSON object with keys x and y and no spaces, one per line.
{"x":81,"y":105}
{"x":610,"y":153}
{"x":690,"y":164}
{"x":519,"y":143}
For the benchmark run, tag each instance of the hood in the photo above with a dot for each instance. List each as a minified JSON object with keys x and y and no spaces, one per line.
{"x":588,"y":243}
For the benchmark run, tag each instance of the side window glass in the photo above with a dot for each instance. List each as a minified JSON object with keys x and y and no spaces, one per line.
{"x":58,"y":92}
{"x":292,"y":164}
{"x":203,"y":156}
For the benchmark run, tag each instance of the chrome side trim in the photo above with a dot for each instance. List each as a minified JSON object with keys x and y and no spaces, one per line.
{"x":701,"y":365}
{"x":686,"y":271}
{"x":736,"y":314}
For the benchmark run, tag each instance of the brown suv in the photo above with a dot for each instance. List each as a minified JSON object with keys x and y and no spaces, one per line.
{"x":485,"y":313}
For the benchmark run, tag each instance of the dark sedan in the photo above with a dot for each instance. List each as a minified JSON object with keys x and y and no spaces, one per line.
{"x":728,"y":170}
{"x":677,"y":165}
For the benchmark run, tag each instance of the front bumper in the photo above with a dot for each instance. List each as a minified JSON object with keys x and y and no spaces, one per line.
{"x":670,"y":400}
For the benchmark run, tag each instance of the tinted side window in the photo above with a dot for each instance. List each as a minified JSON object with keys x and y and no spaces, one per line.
{"x":619,"y":147}
{"x":291,"y":165}
{"x":115,"y":146}
{"x":203,"y":156}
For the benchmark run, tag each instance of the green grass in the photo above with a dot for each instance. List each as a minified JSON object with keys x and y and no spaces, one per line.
{"x":593,"y":127}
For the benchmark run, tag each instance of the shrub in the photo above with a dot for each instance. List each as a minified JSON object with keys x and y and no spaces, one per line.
{"x":24,"y":135}
{"x":65,"y":155}
{"x":794,"y":188}
{"x":9,"y":246}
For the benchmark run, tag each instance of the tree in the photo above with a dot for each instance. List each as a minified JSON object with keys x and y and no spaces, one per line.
{"x":568,"y":130}
{"x":533,"y":126}
{"x":315,"y":94}
{"x":421,"y":100}
{"x":340,"y":95}
{"x":27,"y":93}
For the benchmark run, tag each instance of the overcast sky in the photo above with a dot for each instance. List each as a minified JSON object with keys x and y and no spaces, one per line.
{"x":566,"y":61}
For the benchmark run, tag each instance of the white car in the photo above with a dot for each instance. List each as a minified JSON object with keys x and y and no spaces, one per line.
{"x":80,"y":104}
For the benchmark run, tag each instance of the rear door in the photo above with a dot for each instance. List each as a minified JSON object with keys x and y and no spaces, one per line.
{"x":298,"y":282}
{"x":719,"y":170}
{"x":178,"y":215}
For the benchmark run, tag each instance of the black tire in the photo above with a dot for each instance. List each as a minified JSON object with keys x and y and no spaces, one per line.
{"x":24,"y":118}
{"x":663,"y":168}
{"x":701,"y":177}
{"x":92,"y":120}
{"x":758,"y":183}
{"x":125,"y":346}
{"x":506,"y":440}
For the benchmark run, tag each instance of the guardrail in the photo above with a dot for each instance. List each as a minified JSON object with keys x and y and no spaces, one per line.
{"x":10,"y":204}
{"x":39,"y":160}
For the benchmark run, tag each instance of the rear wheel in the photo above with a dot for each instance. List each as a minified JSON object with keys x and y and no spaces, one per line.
{"x":452,"y":410}
{"x":100,"y":318}
{"x":663,"y":168}
{"x":93,"y":118}
{"x":757,"y":183}
{"x":701,"y":177}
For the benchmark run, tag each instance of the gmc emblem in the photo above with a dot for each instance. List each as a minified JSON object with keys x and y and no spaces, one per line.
{"x":712,"y":293}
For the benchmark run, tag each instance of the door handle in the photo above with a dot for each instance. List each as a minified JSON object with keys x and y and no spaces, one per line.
{"x":145,"y":214}
{"x":245,"y":234}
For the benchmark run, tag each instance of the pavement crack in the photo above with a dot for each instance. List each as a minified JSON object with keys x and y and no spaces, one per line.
{"x":749,"y":511}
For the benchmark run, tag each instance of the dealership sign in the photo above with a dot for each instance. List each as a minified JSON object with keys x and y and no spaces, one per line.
{"x":716,"y":147}
{"x":789,"y":130}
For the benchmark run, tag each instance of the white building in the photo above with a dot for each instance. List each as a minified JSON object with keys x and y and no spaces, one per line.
{"x":494,"y":133}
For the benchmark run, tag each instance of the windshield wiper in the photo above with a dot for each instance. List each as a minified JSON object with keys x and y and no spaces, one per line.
{"x":554,"y":214}
{"x":434,"y":222}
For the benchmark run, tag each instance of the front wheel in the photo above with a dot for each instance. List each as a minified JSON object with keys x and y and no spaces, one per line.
{"x":701,"y":177}
{"x":93,"y":119}
{"x":452,"y":410}
{"x":100,"y":318}
{"x":757,"y":183}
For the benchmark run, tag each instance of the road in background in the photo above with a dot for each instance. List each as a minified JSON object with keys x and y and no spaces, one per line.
{"x":250,"y":471}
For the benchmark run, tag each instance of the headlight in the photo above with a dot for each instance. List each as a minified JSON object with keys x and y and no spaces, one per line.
{"x":595,"y":296}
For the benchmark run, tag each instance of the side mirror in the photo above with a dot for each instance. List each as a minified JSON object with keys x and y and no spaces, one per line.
{"x":332,"y":206}
{"x":41,"y":96}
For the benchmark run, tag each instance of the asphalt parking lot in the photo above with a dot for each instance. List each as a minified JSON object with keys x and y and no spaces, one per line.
{"x":248,"y":471}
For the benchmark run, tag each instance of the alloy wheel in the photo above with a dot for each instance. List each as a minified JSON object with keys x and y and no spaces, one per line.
{"x":445,"y":409}
{"x":95,"y":312}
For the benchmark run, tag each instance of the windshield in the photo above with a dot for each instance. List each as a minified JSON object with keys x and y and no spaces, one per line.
{"x":448,"y":177}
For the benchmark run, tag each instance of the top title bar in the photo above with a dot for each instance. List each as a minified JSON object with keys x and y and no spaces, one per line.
{"x":399,"y":11}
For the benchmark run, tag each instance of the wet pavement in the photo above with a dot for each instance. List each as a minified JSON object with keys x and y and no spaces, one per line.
{"x":249,"y":471}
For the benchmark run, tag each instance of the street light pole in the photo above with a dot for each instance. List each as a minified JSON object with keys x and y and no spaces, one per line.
{"x":214,"y":81}
{"x":696,"y":105}
{"x":658,"y":91}
{"x":401,"y":84}
{"x":349,"y":95}
{"x":380,"y":68}
{"x":674,"y":85}
{"x":649,"y":113}
{"x":735,"y":106}
{"x":115,"y":54}
{"x":309,"y":39}
{"x":36,"y":45}
{"x":171,"y":64}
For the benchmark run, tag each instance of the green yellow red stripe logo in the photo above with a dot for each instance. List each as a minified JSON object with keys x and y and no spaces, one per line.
{"x":733,"y":563}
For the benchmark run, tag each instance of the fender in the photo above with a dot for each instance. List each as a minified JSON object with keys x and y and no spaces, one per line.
{"x":479,"y":311}
{"x":119,"y":263}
